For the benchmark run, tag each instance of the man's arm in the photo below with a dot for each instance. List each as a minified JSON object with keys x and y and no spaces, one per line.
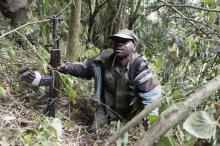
{"x":35,"y":78}
{"x":147,"y":88}
{"x":77,"y":69}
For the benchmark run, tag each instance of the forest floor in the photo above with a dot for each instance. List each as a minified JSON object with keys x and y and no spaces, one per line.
{"x":22,"y":107}
{"x":22,"y":121}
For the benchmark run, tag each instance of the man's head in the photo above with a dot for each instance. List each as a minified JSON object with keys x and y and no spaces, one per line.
{"x":124,"y":42}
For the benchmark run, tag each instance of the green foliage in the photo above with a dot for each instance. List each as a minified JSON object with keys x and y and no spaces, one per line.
{"x":165,"y":141}
{"x":152,"y":118}
{"x":67,"y":82}
{"x":48,"y":132}
{"x":124,"y":140}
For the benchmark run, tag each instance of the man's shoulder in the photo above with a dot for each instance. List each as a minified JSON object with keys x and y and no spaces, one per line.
{"x":138,"y":62}
{"x":137,"y":65}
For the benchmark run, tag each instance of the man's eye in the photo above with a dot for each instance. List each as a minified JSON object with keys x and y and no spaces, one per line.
{"x":121,"y":41}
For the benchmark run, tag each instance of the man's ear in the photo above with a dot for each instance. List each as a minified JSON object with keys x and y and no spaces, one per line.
{"x":135,"y":47}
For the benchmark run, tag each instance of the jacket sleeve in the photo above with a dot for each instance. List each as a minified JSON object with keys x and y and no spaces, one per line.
{"x":147,"y":88}
{"x":81,"y":69}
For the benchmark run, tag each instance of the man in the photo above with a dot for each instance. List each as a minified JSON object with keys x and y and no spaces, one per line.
{"x":125,"y":79}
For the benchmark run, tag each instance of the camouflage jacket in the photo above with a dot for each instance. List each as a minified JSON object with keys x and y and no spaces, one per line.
{"x":134,"y":83}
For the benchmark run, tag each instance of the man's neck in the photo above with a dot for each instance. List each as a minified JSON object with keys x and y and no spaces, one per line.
{"x":122,"y":62}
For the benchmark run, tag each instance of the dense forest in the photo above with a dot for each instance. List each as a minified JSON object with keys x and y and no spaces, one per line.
{"x":179,"y":38}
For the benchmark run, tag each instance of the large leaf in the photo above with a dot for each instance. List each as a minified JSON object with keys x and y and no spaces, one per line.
{"x":56,"y":124}
{"x":69,"y":87}
{"x":200,"y":124}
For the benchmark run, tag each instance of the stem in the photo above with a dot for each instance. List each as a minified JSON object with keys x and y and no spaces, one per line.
{"x":16,"y":29}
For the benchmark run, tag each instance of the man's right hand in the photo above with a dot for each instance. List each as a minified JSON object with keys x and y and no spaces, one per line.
{"x":63,"y":68}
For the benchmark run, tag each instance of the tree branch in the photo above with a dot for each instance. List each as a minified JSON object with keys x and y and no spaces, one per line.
{"x":190,"y":6}
{"x":199,"y":22}
{"x":174,"y":114}
{"x":182,"y":15}
{"x":184,"y":6}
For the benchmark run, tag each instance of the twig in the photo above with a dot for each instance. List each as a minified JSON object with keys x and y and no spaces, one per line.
{"x":77,"y":140}
{"x":183,"y":6}
{"x":61,"y":11}
{"x":33,"y":47}
{"x":187,"y":18}
{"x":29,"y":23}
{"x":181,"y":14}
{"x":190,"y":19}
{"x":190,"y":6}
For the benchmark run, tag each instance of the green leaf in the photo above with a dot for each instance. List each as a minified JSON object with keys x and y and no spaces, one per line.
{"x":68,"y":85}
{"x":27,"y":138}
{"x":200,"y":124}
{"x":165,"y":141}
{"x":2,"y":92}
{"x":152,"y":118}
{"x":57,"y":125}
{"x":10,"y":52}
{"x":208,"y":2}
{"x":72,"y":95}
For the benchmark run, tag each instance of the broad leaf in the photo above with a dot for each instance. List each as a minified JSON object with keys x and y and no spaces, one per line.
{"x":200,"y":124}
{"x":56,"y":124}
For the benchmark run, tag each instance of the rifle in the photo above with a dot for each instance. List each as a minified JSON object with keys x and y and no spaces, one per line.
{"x":55,"y":61}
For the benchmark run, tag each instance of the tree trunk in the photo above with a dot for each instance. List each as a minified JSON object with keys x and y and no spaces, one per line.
{"x":134,"y":14}
{"x":178,"y":112}
{"x":113,"y":21}
{"x":73,"y":44}
{"x":92,"y":17}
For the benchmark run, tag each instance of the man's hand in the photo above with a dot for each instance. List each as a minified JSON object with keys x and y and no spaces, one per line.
{"x":63,"y":68}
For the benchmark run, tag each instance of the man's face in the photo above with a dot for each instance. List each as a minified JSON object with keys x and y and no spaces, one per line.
{"x":123,"y":47}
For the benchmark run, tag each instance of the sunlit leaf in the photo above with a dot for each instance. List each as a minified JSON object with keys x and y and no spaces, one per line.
{"x":200,"y":124}
{"x":10,"y":52}
{"x":57,"y":125}
{"x":2,"y":92}
{"x":27,"y":138}
{"x":152,"y":118}
{"x":68,"y":85}
{"x":8,"y":118}
{"x":208,"y":2}
{"x":72,"y":95}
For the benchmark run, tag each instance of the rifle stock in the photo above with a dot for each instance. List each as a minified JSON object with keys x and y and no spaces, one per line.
{"x":55,"y":61}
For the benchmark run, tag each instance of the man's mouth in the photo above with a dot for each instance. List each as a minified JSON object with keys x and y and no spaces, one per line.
{"x":118,"y":50}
